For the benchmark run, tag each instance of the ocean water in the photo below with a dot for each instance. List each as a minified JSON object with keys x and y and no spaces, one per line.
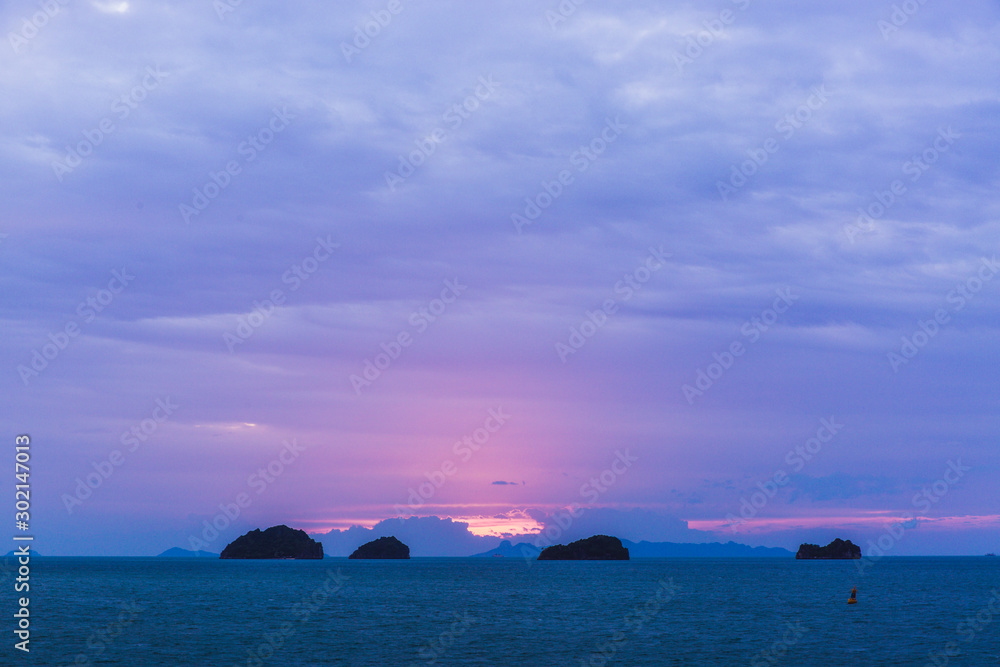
{"x":145,"y":611}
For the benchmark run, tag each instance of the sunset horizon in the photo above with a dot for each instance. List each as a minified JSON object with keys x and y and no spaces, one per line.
{"x":309,"y":309}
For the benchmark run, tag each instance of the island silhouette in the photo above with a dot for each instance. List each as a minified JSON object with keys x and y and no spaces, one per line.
{"x":275,"y":542}
{"x":836,"y":550}
{"x":384,"y":548}
{"x":597,"y":547}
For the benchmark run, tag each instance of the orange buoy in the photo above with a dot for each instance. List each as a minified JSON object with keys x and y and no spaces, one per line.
{"x":854,"y":596}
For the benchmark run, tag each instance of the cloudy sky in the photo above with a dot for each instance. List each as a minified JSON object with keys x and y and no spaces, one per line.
{"x":710,"y":271}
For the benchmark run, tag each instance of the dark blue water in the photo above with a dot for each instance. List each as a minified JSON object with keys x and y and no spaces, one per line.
{"x":495,"y":611}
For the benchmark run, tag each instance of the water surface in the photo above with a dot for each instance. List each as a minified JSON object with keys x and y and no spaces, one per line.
{"x":143,"y":611}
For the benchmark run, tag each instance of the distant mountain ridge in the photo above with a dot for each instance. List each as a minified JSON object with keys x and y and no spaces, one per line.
{"x":655,"y":550}
{"x":507,"y":550}
{"x":705,"y":550}
{"x":31,"y":553}
{"x":177,"y":552}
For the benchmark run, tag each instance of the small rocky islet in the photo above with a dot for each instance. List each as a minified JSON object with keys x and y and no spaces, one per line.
{"x":837,"y":550}
{"x":597,"y":547}
{"x":384,"y":548}
{"x":277,"y":542}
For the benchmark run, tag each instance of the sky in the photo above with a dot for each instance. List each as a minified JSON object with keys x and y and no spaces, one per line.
{"x":671,"y":271}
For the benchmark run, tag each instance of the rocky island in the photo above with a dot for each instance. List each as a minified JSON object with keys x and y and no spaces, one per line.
{"x":836,"y":550}
{"x":275,"y":542}
{"x":598,"y":547}
{"x":382,"y":548}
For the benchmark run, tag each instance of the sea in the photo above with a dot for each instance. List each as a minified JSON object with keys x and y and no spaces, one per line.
{"x":507,"y":611}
